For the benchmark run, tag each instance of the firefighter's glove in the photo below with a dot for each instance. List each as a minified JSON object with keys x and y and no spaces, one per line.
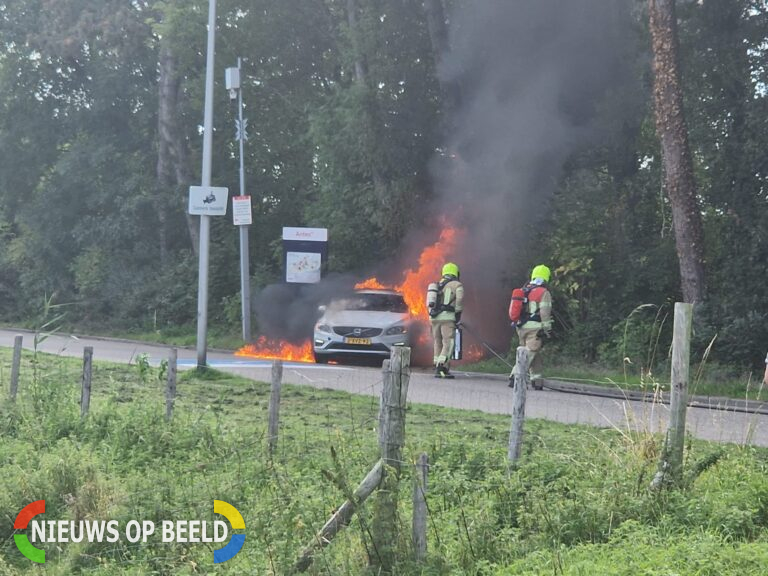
{"x":544,"y":334}
{"x":459,"y":324}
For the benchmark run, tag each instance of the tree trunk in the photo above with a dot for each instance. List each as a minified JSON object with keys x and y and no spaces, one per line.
{"x":164,"y":133}
{"x":360,"y":68}
{"x":172,"y":159}
{"x":438,"y":31}
{"x":438,"y":37}
{"x":676,"y":154}
{"x":361,"y":77}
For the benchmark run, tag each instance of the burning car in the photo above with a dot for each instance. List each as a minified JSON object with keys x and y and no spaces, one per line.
{"x":366,"y":324}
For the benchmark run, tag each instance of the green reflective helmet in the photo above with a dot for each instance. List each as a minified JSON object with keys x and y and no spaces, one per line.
{"x":450,"y":269}
{"x":542,"y":272}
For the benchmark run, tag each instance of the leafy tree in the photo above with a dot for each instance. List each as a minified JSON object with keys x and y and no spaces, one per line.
{"x":723,"y":49}
{"x":100,"y":118}
{"x":374,"y":133}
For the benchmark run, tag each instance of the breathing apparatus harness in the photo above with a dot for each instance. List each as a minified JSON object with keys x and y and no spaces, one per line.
{"x":435,"y":304}
{"x":520,"y":308}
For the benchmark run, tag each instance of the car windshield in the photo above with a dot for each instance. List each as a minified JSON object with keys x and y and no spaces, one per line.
{"x":377,"y":303}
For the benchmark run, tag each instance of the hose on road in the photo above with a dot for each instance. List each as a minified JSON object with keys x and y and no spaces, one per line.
{"x":484,"y":343}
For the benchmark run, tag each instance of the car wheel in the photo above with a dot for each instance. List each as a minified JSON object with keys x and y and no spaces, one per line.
{"x":321,"y":358}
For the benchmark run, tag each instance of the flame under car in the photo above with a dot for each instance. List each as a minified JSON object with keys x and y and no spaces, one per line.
{"x":365,"y":325}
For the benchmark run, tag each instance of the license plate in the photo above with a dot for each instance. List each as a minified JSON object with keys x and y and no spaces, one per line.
{"x":362,"y":341}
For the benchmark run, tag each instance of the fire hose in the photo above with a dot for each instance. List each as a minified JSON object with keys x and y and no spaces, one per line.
{"x":484,"y":343}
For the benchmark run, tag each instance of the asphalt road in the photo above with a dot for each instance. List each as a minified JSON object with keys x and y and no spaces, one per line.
{"x":486,"y":393}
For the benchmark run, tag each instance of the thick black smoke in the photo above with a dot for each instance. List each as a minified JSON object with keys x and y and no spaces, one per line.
{"x":289,"y":311}
{"x":531,"y":77}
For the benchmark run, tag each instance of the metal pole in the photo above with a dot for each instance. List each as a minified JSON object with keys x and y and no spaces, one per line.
{"x":205,"y":220}
{"x":245,"y":275}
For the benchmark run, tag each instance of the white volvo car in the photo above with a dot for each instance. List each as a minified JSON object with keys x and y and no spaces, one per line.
{"x":365,"y":325}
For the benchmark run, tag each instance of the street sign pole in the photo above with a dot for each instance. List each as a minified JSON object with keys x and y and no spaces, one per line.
{"x":245,"y":275}
{"x":241,"y":218}
{"x":205,"y":220}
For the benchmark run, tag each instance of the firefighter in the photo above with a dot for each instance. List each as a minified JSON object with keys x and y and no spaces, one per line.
{"x":445,"y":315}
{"x":536,"y":324}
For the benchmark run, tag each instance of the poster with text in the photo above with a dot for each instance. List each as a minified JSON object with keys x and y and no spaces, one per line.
{"x":303,"y":267}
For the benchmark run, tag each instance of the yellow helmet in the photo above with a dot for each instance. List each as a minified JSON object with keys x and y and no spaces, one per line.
{"x":542,"y":272}
{"x":450,"y":269}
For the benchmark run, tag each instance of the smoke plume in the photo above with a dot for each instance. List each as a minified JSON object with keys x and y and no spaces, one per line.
{"x":529,"y":78}
{"x":289,"y":311}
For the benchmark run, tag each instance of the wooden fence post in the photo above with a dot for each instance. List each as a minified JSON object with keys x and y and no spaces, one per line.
{"x":85,"y":395}
{"x":397,"y":374}
{"x":340,"y":518}
{"x":170,"y":384}
{"x":15,"y":366}
{"x":518,"y":407}
{"x":394,"y":393}
{"x":274,"y":404}
{"x":671,"y":463}
{"x":420,"y":507}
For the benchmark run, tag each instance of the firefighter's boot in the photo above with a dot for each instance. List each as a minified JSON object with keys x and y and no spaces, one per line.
{"x":441,"y":371}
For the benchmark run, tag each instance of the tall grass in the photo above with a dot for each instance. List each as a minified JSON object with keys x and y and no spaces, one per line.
{"x":578,"y":502}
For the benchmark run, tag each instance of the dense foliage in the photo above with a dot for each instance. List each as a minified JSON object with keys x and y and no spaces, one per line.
{"x":578,"y":503}
{"x":346,"y":117}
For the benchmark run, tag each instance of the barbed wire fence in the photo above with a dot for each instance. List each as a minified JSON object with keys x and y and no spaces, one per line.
{"x":101,"y":385}
{"x":152,"y":396}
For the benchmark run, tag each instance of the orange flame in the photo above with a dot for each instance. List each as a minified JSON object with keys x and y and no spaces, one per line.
{"x":415,"y":281}
{"x":431,"y":260}
{"x":270,"y":349}
{"x":473,"y":353}
{"x":370,"y":284}
{"x":413,"y":288}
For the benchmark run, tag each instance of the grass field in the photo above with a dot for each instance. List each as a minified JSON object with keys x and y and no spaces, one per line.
{"x":578,"y":503}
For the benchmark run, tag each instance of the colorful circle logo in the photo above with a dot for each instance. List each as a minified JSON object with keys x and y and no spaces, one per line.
{"x":22,"y":541}
{"x":236,"y":542}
